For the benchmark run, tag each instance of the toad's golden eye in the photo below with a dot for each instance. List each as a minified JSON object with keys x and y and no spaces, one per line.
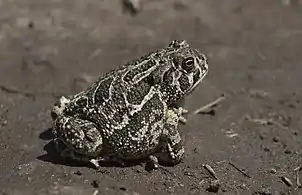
{"x":188,"y":64}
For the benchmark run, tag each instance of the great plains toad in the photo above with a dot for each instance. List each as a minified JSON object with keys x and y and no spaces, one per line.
{"x":132,"y":112}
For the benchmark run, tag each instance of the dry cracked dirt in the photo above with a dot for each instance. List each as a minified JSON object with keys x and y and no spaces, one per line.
{"x":252,"y":139}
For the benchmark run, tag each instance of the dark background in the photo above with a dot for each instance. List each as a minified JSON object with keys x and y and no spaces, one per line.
{"x":55,"y":47}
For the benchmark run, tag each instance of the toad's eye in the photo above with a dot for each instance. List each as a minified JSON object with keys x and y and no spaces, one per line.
{"x":188,"y":64}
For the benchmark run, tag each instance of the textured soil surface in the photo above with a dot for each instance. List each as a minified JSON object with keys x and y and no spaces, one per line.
{"x":252,"y":139}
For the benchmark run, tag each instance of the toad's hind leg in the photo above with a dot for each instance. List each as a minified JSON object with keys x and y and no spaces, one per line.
{"x":80,"y":138}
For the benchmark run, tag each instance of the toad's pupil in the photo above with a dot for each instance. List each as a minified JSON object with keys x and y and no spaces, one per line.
{"x":189,"y":63}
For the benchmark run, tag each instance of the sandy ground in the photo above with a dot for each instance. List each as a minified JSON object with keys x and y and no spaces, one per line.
{"x":252,"y":139}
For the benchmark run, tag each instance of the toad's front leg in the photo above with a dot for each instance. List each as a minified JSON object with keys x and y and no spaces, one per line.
{"x":172,"y":147}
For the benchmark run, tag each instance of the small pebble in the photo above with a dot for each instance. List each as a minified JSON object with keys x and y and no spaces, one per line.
{"x":295,"y":133}
{"x":180,"y":5}
{"x":78,"y":173}
{"x":298,"y":169}
{"x":273,"y":171}
{"x":95,"y":184}
{"x":31,"y":24}
{"x":264,"y":191}
{"x":287,"y":151}
{"x":123,"y":188}
{"x":139,"y":170}
{"x":132,"y":5}
{"x":276,"y":139}
{"x":214,"y":186}
{"x":4,"y":122}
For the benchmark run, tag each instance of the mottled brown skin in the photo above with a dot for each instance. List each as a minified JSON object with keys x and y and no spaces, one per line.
{"x":130,"y":113}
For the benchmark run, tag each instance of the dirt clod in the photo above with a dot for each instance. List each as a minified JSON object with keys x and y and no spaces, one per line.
{"x":213,"y":186}
{"x":95,"y":184}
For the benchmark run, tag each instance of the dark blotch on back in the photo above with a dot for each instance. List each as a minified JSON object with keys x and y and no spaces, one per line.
{"x":139,"y":91}
{"x":102,"y":92}
{"x":76,"y":108}
{"x":82,"y":102}
{"x":144,"y":67}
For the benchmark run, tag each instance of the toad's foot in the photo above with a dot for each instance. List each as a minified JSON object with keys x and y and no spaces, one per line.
{"x":97,"y":161}
{"x":152,"y":163}
{"x":181,"y":111}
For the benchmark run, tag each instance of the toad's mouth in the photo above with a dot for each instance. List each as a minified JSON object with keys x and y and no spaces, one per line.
{"x":198,"y":77}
